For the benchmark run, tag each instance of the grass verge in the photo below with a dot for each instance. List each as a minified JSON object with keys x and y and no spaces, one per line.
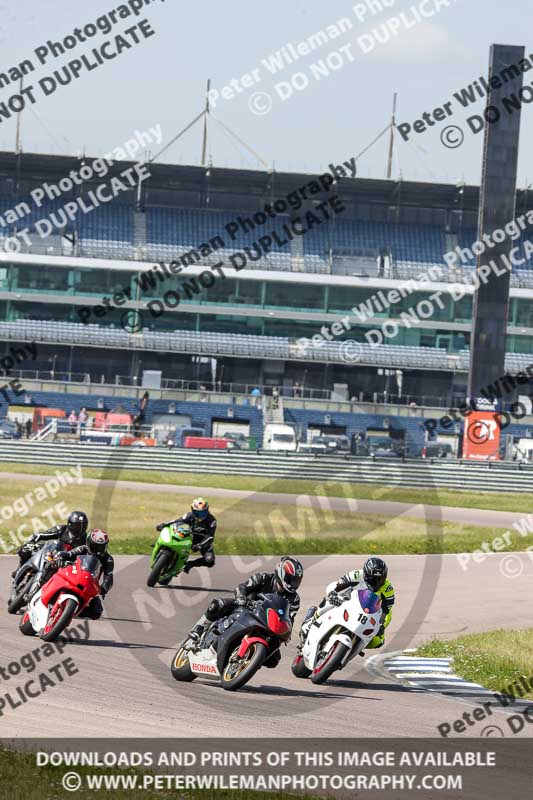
{"x":519,"y":502}
{"x":494,"y":660}
{"x":22,"y":780}
{"x":244,"y":528}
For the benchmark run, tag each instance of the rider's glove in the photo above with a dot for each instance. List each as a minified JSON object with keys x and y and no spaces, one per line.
{"x":335,"y":599}
{"x":59,"y":561}
{"x":33,"y":538}
{"x":160,"y":526}
{"x":240,"y":599}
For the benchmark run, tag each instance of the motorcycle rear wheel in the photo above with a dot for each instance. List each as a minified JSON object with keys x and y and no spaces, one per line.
{"x":239,"y":671}
{"x":329,"y":663}
{"x":299,"y":670}
{"x":180,"y":667}
{"x":16,"y":601}
{"x":25,"y":626}
{"x":62,"y":621}
{"x":161,"y":564}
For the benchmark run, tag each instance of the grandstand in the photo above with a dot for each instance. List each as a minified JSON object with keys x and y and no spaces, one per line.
{"x":245,"y":328}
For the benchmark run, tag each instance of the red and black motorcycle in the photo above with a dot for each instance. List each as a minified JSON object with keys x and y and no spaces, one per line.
{"x":232,"y":649}
{"x":68,"y":592}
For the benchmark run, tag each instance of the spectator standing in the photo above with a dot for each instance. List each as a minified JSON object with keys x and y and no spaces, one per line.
{"x":256,"y":394}
{"x":82,"y":418}
{"x":73,"y":421}
{"x":28,"y":426}
{"x":296,"y":390}
{"x":137,"y":425}
{"x":275,"y":398}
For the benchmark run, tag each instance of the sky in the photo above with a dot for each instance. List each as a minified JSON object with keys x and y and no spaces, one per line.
{"x":290,"y":120}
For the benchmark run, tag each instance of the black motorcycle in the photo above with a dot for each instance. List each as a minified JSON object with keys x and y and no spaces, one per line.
{"x":30,"y":572}
{"x":234,"y":648}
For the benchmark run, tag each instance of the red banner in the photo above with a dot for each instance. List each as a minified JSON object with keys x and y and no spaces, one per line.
{"x":481,"y":441}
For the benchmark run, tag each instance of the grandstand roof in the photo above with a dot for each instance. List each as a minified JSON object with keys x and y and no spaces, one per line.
{"x":175,"y":184}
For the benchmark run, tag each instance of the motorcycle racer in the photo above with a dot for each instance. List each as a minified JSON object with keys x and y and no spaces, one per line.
{"x":203,"y":527}
{"x":285,"y":580}
{"x":374,"y":576}
{"x":96,"y":544}
{"x":72,"y":534}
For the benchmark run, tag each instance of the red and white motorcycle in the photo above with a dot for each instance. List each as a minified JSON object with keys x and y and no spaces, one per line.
{"x":68,"y":592}
{"x":339,"y":634}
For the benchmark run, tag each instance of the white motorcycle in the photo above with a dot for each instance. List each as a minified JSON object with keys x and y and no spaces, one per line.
{"x":339,"y":634}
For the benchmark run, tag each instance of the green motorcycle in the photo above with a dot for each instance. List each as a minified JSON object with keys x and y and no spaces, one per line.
{"x":170,"y":554}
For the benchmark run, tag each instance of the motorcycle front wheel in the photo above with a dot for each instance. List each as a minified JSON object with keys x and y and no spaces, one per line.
{"x":239,"y":671}
{"x":329,"y":663}
{"x":161,"y":565}
{"x":16,"y":601}
{"x":180,"y":667}
{"x":62,"y":618}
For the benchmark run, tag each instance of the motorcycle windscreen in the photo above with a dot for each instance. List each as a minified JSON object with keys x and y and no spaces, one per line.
{"x":90,"y":564}
{"x":369,"y":601}
{"x":280,"y":603}
{"x":278,"y":614}
{"x":47,"y":552}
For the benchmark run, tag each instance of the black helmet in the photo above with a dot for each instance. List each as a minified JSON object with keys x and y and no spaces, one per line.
{"x":97,"y":542}
{"x":77,"y":525}
{"x":289,"y":573}
{"x":375,"y":573}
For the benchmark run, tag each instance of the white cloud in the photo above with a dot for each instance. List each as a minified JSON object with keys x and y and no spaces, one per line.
{"x":423,"y":43}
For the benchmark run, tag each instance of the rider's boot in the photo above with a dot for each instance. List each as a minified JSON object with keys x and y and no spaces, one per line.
{"x":196,"y":634}
{"x":198,"y":631}
{"x":306,"y":624}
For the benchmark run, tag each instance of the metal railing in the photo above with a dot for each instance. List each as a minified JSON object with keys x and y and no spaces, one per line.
{"x":417,"y":473}
{"x":237,"y":390}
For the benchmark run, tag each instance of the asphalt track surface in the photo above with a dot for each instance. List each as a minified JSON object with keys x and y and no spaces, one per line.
{"x":468,"y":516}
{"x":123,"y":686}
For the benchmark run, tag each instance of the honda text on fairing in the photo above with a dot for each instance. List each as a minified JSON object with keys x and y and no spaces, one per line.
{"x":66,"y":595}
{"x":170,"y":554}
{"x":232,"y":649}
{"x":338,"y":634}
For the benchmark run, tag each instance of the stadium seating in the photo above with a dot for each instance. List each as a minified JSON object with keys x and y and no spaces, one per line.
{"x":235,"y":344}
{"x":108,"y":232}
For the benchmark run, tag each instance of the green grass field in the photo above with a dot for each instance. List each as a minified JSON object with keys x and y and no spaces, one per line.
{"x":519,"y":502}
{"x":245,"y":528}
{"x":494,"y":659}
